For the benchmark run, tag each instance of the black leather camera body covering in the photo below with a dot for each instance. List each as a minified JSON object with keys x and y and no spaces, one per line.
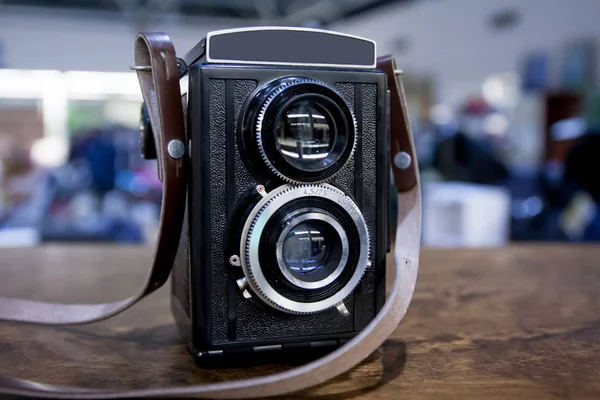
{"x":219,"y":324}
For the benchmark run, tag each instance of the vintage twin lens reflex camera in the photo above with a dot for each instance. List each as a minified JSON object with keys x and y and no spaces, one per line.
{"x":285,"y":236}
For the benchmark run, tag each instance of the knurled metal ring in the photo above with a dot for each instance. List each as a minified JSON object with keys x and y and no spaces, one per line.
{"x":253,"y":230}
{"x":261,"y":118}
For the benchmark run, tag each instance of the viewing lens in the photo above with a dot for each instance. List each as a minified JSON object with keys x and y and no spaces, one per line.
{"x":303,"y":130}
{"x":305,"y":134}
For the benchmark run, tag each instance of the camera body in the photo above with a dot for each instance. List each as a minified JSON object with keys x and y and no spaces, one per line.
{"x":274,"y":224}
{"x":286,"y":229}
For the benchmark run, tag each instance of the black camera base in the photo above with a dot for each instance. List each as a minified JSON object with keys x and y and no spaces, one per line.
{"x":291,"y":354}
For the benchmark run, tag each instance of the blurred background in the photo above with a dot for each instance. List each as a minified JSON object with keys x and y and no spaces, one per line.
{"x":504,"y":100}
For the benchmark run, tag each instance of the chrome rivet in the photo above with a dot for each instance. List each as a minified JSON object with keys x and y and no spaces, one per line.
{"x":402,"y":160}
{"x":176,"y":149}
{"x":234,"y":261}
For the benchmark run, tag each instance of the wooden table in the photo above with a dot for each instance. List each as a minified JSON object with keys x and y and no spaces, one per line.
{"x":518,"y":322}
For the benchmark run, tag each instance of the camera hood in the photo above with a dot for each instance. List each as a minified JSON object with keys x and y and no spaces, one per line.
{"x":279,"y":45}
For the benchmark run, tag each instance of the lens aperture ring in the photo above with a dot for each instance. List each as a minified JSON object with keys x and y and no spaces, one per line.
{"x":255,"y":228}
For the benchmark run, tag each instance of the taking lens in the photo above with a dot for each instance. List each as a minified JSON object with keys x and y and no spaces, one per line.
{"x":306,"y":249}
{"x":311,"y":250}
{"x":305,"y":133}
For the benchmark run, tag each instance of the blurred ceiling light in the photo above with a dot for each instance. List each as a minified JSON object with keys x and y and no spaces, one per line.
{"x":80,"y":85}
{"x":495,"y":124}
{"x":54,"y":108}
{"x":494,"y":89}
{"x":49,"y":152}
{"x":501,"y":90}
{"x":25,"y":84}
{"x":86,"y":84}
{"x":441,"y":114}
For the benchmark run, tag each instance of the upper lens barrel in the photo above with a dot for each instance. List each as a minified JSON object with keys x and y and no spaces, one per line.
{"x":304,"y":130}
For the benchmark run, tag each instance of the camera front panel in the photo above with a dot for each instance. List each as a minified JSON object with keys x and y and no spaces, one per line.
{"x":226,"y":170}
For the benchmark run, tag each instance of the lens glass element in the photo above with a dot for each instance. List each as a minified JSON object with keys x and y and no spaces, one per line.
{"x":312,"y":250}
{"x":305,"y":135}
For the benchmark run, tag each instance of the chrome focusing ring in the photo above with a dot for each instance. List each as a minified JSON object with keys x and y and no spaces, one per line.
{"x":293,"y":221}
{"x":254,"y":228}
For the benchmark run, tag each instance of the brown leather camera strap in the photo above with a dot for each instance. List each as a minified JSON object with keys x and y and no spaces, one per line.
{"x":160,"y":87}
{"x":401,"y":138}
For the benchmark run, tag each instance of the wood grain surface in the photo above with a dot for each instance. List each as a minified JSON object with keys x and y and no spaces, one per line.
{"x":518,"y":322}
